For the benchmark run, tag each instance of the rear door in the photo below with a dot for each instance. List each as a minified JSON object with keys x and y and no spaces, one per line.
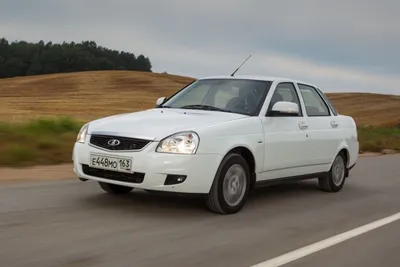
{"x":322,"y":126}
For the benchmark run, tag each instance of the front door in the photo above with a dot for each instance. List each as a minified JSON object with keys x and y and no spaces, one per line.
{"x":286,"y":138}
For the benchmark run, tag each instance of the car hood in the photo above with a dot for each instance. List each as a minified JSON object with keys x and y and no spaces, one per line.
{"x":156,"y":124}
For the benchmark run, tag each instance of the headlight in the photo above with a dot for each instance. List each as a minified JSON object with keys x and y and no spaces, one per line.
{"x":82,"y":134}
{"x":179,"y":143}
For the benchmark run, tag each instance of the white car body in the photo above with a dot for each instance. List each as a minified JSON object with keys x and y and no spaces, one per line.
{"x":275,"y":147}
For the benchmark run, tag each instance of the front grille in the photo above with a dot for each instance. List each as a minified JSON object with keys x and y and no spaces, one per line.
{"x":125,"y":143}
{"x":136,"y":177}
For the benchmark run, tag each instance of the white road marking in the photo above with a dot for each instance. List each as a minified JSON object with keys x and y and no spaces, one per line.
{"x":307,"y":250}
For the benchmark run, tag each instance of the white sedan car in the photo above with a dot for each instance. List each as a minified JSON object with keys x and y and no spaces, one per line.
{"x":221,"y":137}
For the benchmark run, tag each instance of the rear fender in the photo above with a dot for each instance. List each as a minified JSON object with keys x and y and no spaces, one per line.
{"x":345,"y":147}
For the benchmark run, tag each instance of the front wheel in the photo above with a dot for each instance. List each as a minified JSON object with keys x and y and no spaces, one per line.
{"x":115,"y":189}
{"x":334,"y":180}
{"x":231,"y":186}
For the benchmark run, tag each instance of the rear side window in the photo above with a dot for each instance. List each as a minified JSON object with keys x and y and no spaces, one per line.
{"x":315,"y":105}
{"x":328,"y":102}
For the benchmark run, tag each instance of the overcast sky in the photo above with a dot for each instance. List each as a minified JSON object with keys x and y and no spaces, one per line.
{"x":341,"y":45}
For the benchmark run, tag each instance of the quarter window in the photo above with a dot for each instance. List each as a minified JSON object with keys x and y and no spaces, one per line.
{"x":328,"y":101}
{"x":315,"y":105}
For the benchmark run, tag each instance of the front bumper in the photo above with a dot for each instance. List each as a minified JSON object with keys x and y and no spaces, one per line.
{"x":198,"y":169}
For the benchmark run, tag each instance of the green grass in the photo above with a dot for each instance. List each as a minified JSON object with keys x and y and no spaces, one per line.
{"x":50,"y":141}
{"x":37,"y":142}
{"x":378,"y":138}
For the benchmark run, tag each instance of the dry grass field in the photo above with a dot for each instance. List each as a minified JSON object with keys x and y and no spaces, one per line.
{"x":369,"y":109}
{"x":89,"y":95}
{"x":84,"y":95}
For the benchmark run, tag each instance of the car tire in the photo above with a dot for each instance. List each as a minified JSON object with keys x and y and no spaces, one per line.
{"x":334,"y":180}
{"x":232,"y":179}
{"x":115,"y":189}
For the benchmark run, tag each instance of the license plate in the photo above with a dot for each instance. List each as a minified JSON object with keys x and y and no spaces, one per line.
{"x":111,"y":163}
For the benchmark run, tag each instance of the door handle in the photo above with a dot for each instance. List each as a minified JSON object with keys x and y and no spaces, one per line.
{"x":334,"y":124}
{"x":303,"y":125}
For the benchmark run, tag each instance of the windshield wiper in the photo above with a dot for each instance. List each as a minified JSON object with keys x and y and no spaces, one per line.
{"x":205,"y":107}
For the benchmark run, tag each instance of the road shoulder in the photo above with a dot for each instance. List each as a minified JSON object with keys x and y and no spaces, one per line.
{"x":36,"y":173}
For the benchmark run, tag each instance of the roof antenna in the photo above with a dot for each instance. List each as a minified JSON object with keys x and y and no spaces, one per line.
{"x":240,"y":66}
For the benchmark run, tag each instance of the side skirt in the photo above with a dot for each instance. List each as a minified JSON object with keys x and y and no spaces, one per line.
{"x":289,"y":179}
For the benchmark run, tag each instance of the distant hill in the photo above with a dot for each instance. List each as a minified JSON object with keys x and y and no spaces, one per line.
{"x":93,"y":94}
{"x":20,"y":58}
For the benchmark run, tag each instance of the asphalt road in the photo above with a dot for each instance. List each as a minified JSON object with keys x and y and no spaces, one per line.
{"x":74,"y":224}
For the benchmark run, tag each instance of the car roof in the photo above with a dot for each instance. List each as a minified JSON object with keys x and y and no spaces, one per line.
{"x":258,"y":78}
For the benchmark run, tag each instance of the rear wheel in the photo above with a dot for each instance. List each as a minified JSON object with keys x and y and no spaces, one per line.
{"x":115,"y":189}
{"x":334,"y":180}
{"x":231,"y":186}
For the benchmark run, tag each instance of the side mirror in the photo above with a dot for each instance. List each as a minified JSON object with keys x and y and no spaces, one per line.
{"x":284,"y":108}
{"x":160,"y":101}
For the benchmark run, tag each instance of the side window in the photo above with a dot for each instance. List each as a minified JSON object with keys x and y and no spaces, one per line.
{"x":328,"y":101}
{"x":315,"y":105}
{"x":285,"y":92}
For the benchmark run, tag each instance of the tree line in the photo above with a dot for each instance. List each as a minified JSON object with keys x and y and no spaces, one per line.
{"x":21,"y":58}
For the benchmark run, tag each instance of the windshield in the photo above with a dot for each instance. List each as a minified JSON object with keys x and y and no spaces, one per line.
{"x":227,"y":95}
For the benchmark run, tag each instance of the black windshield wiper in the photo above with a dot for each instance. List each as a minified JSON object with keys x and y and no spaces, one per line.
{"x":205,"y":107}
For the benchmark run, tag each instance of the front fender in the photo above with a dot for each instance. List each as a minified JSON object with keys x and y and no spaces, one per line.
{"x":246,"y":133}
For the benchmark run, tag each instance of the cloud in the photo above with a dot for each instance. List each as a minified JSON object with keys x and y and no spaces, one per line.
{"x":340,"y":45}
